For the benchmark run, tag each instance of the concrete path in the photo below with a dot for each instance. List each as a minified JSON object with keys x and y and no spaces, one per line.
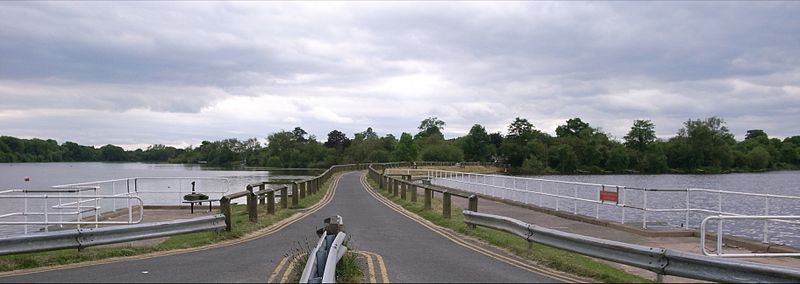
{"x":409,"y":250}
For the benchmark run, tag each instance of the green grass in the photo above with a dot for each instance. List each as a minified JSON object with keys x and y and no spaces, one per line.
{"x":551,"y":257}
{"x":241,"y":227}
{"x":348,"y":270}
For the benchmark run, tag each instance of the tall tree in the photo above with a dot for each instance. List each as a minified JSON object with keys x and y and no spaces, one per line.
{"x":641,"y":135}
{"x":476,"y":145}
{"x":337,"y":140}
{"x":406,"y":150}
{"x":431,"y":126}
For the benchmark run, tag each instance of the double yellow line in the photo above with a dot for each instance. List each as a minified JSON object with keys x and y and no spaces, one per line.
{"x":288,"y":265}
{"x":254,"y":235}
{"x":458,"y":239}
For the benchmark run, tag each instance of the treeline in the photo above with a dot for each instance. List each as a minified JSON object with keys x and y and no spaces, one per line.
{"x":14,"y":149}
{"x":700,"y":146}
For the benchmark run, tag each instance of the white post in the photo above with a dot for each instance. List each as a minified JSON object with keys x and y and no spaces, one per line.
{"x":624,"y":202}
{"x":644,"y":215}
{"x":541,"y":188}
{"x":575,"y":200}
{"x":96,"y":209}
{"x":686,"y":224}
{"x":766,"y":212}
{"x":25,"y":213}
{"x":46,"y":227}
{"x":719,"y":236}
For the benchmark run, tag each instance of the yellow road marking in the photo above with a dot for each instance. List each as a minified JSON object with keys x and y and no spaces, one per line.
{"x":290,"y":268}
{"x":382,"y":265}
{"x":435,"y":228}
{"x":277,"y":270}
{"x":370,"y":267}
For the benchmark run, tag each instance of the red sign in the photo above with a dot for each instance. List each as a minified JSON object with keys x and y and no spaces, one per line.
{"x":612,"y":196}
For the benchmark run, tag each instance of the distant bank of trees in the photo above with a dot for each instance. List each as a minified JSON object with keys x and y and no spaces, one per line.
{"x":700,"y":146}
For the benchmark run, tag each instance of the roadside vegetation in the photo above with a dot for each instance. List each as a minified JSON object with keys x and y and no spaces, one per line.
{"x":700,"y":146}
{"x":348,"y":270}
{"x":241,"y":228}
{"x":551,"y":257}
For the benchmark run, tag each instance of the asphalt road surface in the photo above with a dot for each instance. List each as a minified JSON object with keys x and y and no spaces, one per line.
{"x":410,"y":251}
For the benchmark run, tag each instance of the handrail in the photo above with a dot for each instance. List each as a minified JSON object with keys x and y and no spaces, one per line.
{"x":659,"y":260}
{"x":745,"y":217}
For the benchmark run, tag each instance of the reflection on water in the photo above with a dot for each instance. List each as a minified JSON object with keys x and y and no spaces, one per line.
{"x":157,"y":184}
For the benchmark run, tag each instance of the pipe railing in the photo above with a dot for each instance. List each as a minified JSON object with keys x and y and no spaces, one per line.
{"x":719,"y":244}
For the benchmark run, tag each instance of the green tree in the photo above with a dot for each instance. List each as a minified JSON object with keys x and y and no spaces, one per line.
{"x":617,"y":160}
{"x":567,"y":161}
{"x":641,"y":135}
{"x":759,"y":158}
{"x":476,"y":145}
{"x":406,"y":150}
{"x":112,"y":153}
{"x":431,"y":126}
{"x":337,"y":140}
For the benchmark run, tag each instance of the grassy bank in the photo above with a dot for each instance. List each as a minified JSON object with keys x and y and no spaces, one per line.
{"x":241,"y":227}
{"x":551,"y":257}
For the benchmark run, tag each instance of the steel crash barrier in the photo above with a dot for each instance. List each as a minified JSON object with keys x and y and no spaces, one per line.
{"x":322,"y":260}
{"x":659,"y":260}
{"x":82,"y":238}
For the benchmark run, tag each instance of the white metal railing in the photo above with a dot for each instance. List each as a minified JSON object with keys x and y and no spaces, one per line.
{"x":77,"y":205}
{"x":169,"y":190}
{"x":740,"y":217}
{"x":554,"y":194}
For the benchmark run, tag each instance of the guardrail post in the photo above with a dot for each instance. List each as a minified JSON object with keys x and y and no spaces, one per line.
{"x":271,"y":202}
{"x":395,"y":187}
{"x":473,"y":206}
{"x":382,"y":182}
{"x":413,"y":193}
{"x":428,"y":195}
{"x":295,"y":194}
{"x":303,"y":188}
{"x":403,"y":187}
{"x":261,"y":200}
{"x":284,"y":197}
{"x":252,"y":206}
{"x":446,"y":204}
{"x":225,"y":209}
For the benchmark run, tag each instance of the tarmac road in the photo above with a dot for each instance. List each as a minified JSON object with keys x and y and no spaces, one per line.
{"x":411,"y":252}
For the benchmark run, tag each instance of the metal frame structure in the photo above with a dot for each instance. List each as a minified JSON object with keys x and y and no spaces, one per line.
{"x":739,"y":217}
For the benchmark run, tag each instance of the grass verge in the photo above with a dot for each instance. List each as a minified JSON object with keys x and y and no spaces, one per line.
{"x":348,"y":270}
{"x":551,"y":257}
{"x":241,"y":227}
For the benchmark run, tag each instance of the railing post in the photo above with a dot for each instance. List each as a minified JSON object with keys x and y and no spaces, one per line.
{"x":403,"y":187}
{"x":446,"y":204}
{"x":295,"y":194}
{"x":271,"y":202}
{"x":303,"y":188}
{"x":428,"y":195}
{"x":473,"y":206}
{"x":381,"y":182}
{"x":252,"y":206}
{"x":284,"y":197}
{"x":413,"y":193}
{"x":261,"y":200}
{"x":395,"y":187}
{"x":225,"y":209}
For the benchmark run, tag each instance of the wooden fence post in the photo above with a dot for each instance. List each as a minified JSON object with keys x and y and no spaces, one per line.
{"x":446,"y":204}
{"x":295,"y":194}
{"x":413,"y":193}
{"x":225,"y":208}
{"x":428,"y":195}
{"x":284,"y":197}
{"x":271,"y":202}
{"x":252,"y":205}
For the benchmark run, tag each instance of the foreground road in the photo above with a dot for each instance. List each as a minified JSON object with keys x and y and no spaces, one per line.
{"x":410,"y":251}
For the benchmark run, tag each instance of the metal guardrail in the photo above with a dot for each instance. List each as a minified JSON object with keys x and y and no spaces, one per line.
{"x":322,"y":260}
{"x":659,"y":260}
{"x":82,"y":238}
{"x":738,"y":217}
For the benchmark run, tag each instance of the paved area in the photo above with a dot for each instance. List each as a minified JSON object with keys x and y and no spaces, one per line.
{"x":411,"y":252}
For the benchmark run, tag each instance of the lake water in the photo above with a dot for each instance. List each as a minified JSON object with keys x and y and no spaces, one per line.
{"x":158,"y":184}
{"x":775,"y":183}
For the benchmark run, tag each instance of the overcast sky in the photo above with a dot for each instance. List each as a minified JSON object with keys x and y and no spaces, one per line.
{"x":134,"y":74}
